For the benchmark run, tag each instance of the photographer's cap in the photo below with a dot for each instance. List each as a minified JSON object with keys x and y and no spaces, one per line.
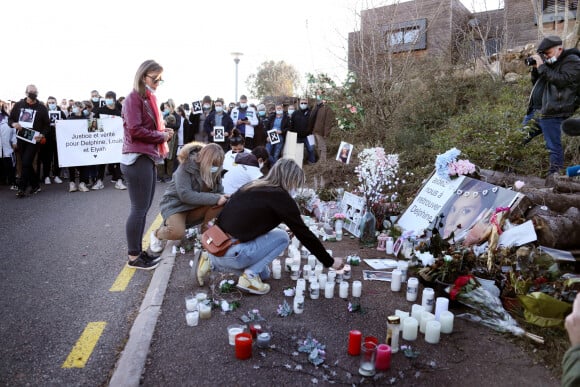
{"x":549,"y":42}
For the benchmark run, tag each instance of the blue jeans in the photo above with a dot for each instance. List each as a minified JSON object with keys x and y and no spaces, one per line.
{"x":275,"y":150}
{"x":254,"y":255}
{"x":550,"y":127}
{"x":309,"y":148}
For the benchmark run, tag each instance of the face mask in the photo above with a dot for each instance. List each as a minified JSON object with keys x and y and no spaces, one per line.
{"x":75,"y":110}
{"x":206,"y":106}
{"x":52,"y":106}
{"x":86,"y":112}
{"x":219,"y":109}
{"x":262,"y":113}
{"x":290,"y":111}
{"x":110,"y":101}
{"x":187,"y":112}
{"x":551,"y":60}
{"x":303,"y":106}
{"x":214,"y":169}
{"x":32,"y":96}
{"x":95,"y":99}
{"x":166,"y":112}
{"x":279,"y":112}
{"x":243,"y":105}
{"x":152,"y":90}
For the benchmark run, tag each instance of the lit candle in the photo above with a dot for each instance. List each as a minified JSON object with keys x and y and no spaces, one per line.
{"x":412,"y":289}
{"x":354,"y":342}
{"x":416,"y":311}
{"x":243,"y":346}
{"x":322,"y":280}
{"x":312,"y":260}
{"x":446,"y":320}
{"x":298,"y":304}
{"x":396,"y":280}
{"x":383,"y":361}
{"x":288,"y":262}
{"x":441,"y":305}
{"x":234,"y":330}
{"x":204,"y":311}
{"x":314,"y":290}
{"x":191,"y":303}
{"x":356,"y":288}
{"x":343,"y":290}
{"x":201,"y":296}
{"x":410,"y":326}
{"x":329,"y":290}
{"x":295,"y":272}
{"x":192,"y":317}
{"x":346,"y":270}
{"x":428,"y":299}
{"x":433,"y":332}
{"x":306,"y":269}
{"x":425,"y":318}
{"x":404,"y":267}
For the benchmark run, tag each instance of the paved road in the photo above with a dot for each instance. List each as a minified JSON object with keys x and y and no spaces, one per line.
{"x":61,"y":253}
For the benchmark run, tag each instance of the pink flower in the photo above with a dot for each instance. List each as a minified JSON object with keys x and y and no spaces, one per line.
{"x":519,"y":185}
{"x":353,"y":109}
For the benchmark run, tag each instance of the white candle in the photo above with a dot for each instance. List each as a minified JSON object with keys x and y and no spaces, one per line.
{"x":356,"y":288}
{"x":318,"y":270}
{"x":410,"y":326}
{"x":425,"y":318}
{"x":232,"y":332}
{"x":295,"y":272}
{"x":329,"y":290}
{"x":312,"y":260}
{"x":390,"y":246}
{"x":204,"y":311}
{"x":300,"y":287}
{"x":416,"y":311}
{"x":346,"y":270}
{"x":192,"y":317}
{"x":277,"y":272}
{"x":314,"y":290}
{"x":201,"y":296}
{"x":191,"y":303}
{"x":404,"y":267}
{"x":402,"y":315}
{"x":331,"y":275}
{"x":343,"y":290}
{"x":446,"y":320}
{"x":428,"y":299}
{"x":396,"y":280}
{"x":322,"y":280}
{"x":441,"y":305}
{"x":432,"y":332}
{"x":304,"y":252}
{"x":339,"y":235}
{"x":412,"y":289}
{"x":288,"y":262}
{"x":306,"y":269}
{"x":298,"y":304}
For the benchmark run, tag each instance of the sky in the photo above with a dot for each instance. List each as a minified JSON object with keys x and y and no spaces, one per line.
{"x":67,"y":50}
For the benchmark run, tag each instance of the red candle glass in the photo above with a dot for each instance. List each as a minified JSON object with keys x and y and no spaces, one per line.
{"x":383,"y":360}
{"x":255,"y":330}
{"x":354,"y":342}
{"x":371,"y":339}
{"x":243,"y":345}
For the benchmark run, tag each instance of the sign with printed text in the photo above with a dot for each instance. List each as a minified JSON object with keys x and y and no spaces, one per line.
{"x":352,"y":207}
{"x":89,"y":142}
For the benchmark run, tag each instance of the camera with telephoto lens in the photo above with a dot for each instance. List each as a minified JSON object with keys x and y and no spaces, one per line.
{"x":530,"y":61}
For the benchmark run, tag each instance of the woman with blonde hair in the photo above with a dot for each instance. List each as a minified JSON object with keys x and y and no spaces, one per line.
{"x":252,"y":215}
{"x":194,"y":195}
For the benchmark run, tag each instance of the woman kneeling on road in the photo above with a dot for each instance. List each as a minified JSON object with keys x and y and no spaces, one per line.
{"x":194,"y":195}
{"x":252,"y":215}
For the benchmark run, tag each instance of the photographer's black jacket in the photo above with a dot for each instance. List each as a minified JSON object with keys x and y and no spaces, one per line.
{"x":41,"y":121}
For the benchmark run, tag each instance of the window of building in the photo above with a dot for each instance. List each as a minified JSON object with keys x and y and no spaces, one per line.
{"x":406,"y":36}
{"x":555,"y":10}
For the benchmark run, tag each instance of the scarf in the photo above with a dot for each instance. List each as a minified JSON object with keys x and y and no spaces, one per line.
{"x":162,"y":148}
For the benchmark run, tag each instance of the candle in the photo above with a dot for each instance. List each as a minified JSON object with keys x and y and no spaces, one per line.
{"x":306,"y":269}
{"x":312,"y":260}
{"x":371,"y":339}
{"x":402,"y":315}
{"x":383,"y":361}
{"x":329,"y":252}
{"x":446,"y":320}
{"x":288,"y":262}
{"x":304,"y":252}
{"x":425,"y":318}
{"x":393,"y":330}
{"x":322,"y":280}
{"x":410,"y":326}
{"x":192,"y":317}
{"x":331,"y":275}
{"x":314,"y":290}
{"x":354,"y":342}
{"x":191,"y":303}
{"x":441,"y":305}
{"x":346,"y":270}
{"x":339,"y":276}
{"x":404,"y":267}
{"x":298,"y":304}
{"x":294,"y":272}
{"x":264,"y":340}
{"x":412,"y":289}
{"x":276,"y":269}
{"x":367,"y":359}
{"x":318,"y":270}
{"x":204,"y":311}
{"x":243,"y":346}
{"x":390,"y":245}
{"x":339,"y":235}
{"x":329,"y":290}
{"x":301,"y":287}
{"x":433,"y":332}
{"x":416,"y":311}
{"x":396,"y":280}
{"x":343,"y":290}
{"x":233,"y":331}
{"x":201,"y":296}
{"x":356,"y":288}
{"x":255,"y":329}
{"x":428,"y":299}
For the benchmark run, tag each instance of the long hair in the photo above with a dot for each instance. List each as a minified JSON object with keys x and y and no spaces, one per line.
{"x":146,"y":67}
{"x":208,"y":156}
{"x":285,"y":173}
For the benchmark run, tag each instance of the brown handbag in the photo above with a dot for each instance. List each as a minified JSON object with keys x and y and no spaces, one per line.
{"x":215,"y":241}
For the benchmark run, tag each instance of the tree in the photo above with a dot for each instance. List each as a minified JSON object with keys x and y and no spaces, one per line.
{"x":274,"y":79}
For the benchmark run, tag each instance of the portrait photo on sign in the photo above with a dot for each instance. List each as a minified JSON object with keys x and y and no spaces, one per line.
{"x":27,"y":135}
{"x":196,"y":107}
{"x":344,"y":152}
{"x":218,"y":134}
{"x":273,"y":136}
{"x":102,"y":102}
{"x":94,"y":125}
{"x":473,"y":202}
{"x":54,"y":116}
{"x":26,"y":118}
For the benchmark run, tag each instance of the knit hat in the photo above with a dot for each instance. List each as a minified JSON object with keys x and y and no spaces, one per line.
{"x":549,"y":42}
{"x":246,"y":159}
{"x":571,"y":126}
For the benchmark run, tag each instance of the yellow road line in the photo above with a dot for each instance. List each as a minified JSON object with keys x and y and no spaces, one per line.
{"x":124,"y":277}
{"x":84,"y":346}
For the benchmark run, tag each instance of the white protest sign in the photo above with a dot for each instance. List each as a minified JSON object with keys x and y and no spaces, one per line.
{"x":78,"y":145}
{"x":428,"y":203}
{"x":352,"y":207}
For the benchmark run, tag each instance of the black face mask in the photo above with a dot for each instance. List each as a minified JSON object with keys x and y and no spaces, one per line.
{"x":32,"y":96}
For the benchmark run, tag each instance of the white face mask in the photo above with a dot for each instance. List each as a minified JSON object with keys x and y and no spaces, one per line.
{"x":551,"y":60}
{"x":290,"y":111}
{"x":152,"y":90}
{"x":243,"y":105}
{"x":214,"y":169}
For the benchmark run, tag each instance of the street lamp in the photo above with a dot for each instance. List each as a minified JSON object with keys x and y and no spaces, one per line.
{"x":236,"y":56}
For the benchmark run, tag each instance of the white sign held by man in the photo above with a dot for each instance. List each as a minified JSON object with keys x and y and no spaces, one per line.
{"x":78,"y":144}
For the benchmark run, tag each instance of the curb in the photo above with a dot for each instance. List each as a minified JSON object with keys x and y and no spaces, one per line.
{"x":131,"y":364}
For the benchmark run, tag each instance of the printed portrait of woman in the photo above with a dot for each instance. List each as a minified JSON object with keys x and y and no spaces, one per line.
{"x":344,"y":152}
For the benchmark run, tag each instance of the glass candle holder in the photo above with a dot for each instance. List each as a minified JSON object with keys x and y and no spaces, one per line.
{"x":192,"y":317}
{"x":190,"y":302}
{"x":367,"y":359}
{"x":233,"y":331}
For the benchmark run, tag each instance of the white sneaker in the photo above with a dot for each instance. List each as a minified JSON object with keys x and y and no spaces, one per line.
{"x":47,"y":180}
{"x":72,"y":187}
{"x":98,"y":185}
{"x":119,"y":184}
{"x":83,"y":187}
{"x":57,"y":180}
{"x":155,"y":244}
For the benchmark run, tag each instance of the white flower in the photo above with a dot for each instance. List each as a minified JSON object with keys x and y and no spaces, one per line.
{"x":519,"y":184}
{"x":447,"y":258}
{"x":426,"y":258}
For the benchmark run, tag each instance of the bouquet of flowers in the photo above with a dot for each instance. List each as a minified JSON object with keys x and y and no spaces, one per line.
{"x":377,"y":175}
{"x":448,"y":167}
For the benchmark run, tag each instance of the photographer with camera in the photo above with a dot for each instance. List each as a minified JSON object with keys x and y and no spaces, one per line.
{"x":555,"y":74}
